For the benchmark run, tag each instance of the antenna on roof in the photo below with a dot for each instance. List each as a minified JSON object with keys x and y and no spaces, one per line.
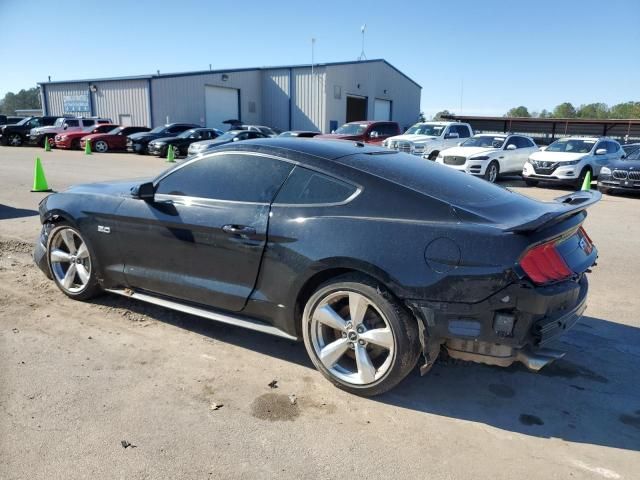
{"x":158,"y":72}
{"x":49,"y":77}
{"x":362,"y":56}
{"x":210,"y":67}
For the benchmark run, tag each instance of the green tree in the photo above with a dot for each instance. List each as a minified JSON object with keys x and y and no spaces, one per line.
{"x":520,"y":111}
{"x":593,"y":110}
{"x":442,"y":113}
{"x":544,"y":113}
{"x":421,"y":117}
{"x":23,"y":99}
{"x":564,"y":110}
{"x":625,"y":110}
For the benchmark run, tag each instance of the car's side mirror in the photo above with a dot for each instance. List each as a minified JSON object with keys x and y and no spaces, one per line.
{"x":511,"y":146}
{"x":374,"y":134}
{"x":236,"y":139}
{"x":144,"y":191}
{"x":601,"y":151}
{"x":65,"y":126}
{"x":452,"y":135}
{"x":459,"y":143}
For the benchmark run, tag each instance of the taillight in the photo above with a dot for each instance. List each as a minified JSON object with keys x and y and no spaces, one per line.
{"x":545,"y":264}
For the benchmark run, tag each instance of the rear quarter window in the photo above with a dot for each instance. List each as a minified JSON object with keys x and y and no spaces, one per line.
{"x":307,"y":187}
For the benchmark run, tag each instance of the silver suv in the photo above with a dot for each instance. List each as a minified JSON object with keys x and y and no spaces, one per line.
{"x":569,"y":159}
{"x":37,"y":136}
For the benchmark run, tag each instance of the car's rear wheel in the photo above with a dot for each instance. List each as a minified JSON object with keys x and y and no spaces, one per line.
{"x":71,"y":262}
{"x":531,"y":183}
{"x":101,"y":146}
{"x":358,"y":336}
{"x":14,"y":140}
{"x":492,"y":172}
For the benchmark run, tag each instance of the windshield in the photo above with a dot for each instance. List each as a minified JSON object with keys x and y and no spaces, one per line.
{"x":635,"y":155}
{"x":226,"y":136}
{"x":157,"y":130}
{"x":571,"y":146}
{"x":426,"y":129}
{"x":88,"y":129}
{"x":23,"y":121}
{"x":484,"y":141}
{"x":115,"y":131}
{"x":351,"y":129}
{"x":59,"y":122}
{"x":188,"y":133}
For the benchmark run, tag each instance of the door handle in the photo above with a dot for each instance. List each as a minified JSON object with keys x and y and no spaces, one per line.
{"x":242,"y":230}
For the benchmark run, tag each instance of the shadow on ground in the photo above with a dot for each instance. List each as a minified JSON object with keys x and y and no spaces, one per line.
{"x":591,"y":396}
{"x":7,"y":212}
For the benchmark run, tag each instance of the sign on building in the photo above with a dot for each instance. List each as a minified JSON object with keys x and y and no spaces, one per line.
{"x":76,"y":103}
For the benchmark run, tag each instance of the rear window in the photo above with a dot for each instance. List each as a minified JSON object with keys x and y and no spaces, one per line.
{"x":430,"y":178}
{"x":306,"y":187}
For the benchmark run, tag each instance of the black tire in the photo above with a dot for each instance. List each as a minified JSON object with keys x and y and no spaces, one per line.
{"x":489,"y":175}
{"x":583,"y":175}
{"x":433,"y":155}
{"x":605,"y":190}
{"x":403,"y":326}
{"x":92,"y":287}
{"x":13,"y":140}
{"x":531,"y":183}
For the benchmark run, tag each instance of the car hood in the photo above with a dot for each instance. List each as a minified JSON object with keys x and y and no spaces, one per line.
{"x":414,"y":138}
{"x":546,"y":156}
{"x":467,"y":151}
{"x":624,"y":165}
{"x":114,"y":189}
{"x":145,"y":136}
{"x":165,"y":139}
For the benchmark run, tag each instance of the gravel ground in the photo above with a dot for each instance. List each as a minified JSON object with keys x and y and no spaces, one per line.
{"x":118,"y":389}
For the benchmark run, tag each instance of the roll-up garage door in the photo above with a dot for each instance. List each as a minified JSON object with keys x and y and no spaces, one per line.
{"x":382,"y":110}
{"x":221,"y":104}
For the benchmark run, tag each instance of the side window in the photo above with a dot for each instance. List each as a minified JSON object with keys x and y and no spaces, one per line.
{"x":612,"y":147}
{"x":461,"y":130}
{"x":232,"y":177}
{"x":521,"y":142}
{"x":177,"y":129}
{"x":511,"y":141}
{"x":72,"y":123}
{"x":35,"y":123}
{"x":87,"y":123}
{"x":305,"y":187}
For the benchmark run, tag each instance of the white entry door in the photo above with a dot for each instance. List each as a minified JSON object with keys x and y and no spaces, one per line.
{"x":221,"y":104}
{"x":124,"y":119}
{"x":382,"y":110}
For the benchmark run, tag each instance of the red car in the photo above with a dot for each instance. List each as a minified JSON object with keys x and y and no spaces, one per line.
{"x":367,"y":131}
{"x":72,"y":139}
{"x":114,"y":140}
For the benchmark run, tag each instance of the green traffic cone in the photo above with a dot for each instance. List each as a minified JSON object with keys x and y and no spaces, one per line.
{"x":87,"y":147}
{"x":39,"y":180}
{"x":47,"y":145}
{"x":586,"y":185}
{"x":171,"y":157}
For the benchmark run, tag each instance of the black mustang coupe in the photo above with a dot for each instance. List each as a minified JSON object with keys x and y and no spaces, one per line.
{"x":374,"y":258}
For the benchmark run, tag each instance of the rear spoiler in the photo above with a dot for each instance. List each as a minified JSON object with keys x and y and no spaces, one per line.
{"x":562,"y":208}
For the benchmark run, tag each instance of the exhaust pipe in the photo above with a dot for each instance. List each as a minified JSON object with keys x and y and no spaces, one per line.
{"x":538,"y":359}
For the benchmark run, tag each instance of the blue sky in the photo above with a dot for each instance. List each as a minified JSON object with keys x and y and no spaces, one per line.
{"x":505,"y":53}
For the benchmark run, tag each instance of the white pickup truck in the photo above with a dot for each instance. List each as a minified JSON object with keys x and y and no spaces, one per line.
{"x":427,"y":139}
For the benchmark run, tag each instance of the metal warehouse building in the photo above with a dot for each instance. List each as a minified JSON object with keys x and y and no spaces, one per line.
{"x":297,"y":97}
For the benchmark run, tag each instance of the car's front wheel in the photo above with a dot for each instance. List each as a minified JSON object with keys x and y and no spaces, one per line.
{"x":358,"y":336}
{"x":492,"y":172}
{"x":101,"y":146}
{"x":71,"y":262}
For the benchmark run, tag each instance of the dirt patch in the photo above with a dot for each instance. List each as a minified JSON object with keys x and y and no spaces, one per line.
{"x":15,"y":246}
{"x":275,"y":407}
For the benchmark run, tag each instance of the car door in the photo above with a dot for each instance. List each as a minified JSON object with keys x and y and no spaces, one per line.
{"x":202,"y":237}
{"x":600,"y":161}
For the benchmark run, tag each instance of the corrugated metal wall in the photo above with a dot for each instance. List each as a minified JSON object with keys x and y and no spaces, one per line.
{"x":275,"y":98}
{"x":181,"y":99}
{"x":123,"y":97}
{"x":56,"y":93}
{"x":308,"y":103}
{"x":371,"y":80}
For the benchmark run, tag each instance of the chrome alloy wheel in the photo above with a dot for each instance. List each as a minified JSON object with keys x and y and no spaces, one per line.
{"x":69,"y":259}
{"x":101,"y":146}
{"x":493,"y":173}
{"x":352,"y":338}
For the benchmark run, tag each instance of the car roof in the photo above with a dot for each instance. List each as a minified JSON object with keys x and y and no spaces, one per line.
{"x":319,"y":148}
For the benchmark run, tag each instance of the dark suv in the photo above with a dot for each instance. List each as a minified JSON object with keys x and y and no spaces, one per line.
{"x":139,"y":142}
{"x":4,"y":120}
{"x":16,"y":134}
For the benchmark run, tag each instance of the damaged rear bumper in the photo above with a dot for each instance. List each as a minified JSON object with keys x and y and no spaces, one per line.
{"x":513,"y":325}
